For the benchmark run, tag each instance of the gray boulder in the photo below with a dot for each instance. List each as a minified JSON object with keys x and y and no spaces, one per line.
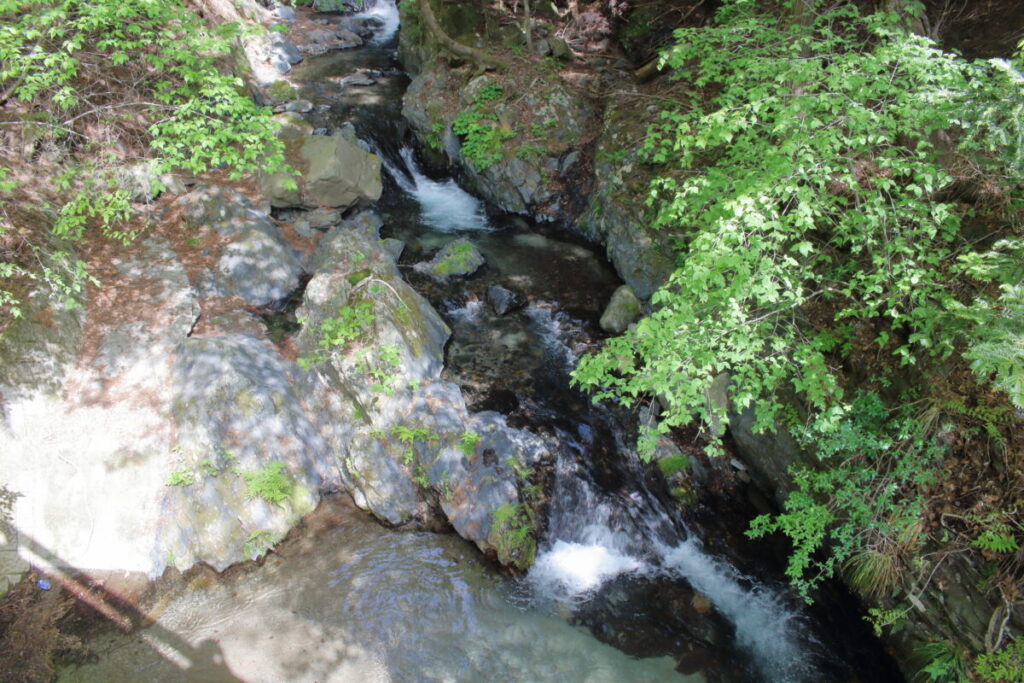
{"x":257,"y":267}
{"x":333,"y":172}
{"x":248,"y":461}
{"x":622,"y":311}
{"x":256,"y":264}
{"x":480,"y":477}
{"x":503,"y":300}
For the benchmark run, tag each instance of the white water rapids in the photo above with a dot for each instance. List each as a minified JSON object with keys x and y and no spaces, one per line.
{"x":444,"y":206}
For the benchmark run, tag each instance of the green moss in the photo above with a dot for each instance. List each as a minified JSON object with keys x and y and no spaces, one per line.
{"x":512,"y":535}
{"x":673,"y":464}
{"x":282,"y":91}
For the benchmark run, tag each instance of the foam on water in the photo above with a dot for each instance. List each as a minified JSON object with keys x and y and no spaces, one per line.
{"x":444,"y":206}
{"x":386,"y":12}
{"x":570,"y":570}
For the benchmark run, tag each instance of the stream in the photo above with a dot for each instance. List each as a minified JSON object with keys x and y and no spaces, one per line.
{"x":616,"y":564}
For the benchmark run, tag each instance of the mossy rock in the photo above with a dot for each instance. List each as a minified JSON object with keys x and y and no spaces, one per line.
{"x":512,"y":535}
{"x":282,"y":91}
{"x":459,"y":258}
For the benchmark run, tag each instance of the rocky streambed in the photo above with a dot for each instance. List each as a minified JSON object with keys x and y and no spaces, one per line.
{"x":377,"y":335}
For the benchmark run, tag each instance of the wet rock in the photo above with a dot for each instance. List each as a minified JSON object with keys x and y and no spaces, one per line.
{"x":394,"y":247}
{"x":359,"y":79}
{"x":504,"y":300}
{"x":334,"y":173}
{"x":458,"y":258}
{"x":479,"y":481}
{"x":300,"y":107}
{"x":347,"y":39}
{"x":622,"y":311}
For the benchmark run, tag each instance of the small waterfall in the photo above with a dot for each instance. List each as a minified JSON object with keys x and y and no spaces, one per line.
{"x":765,"y":626}
{"x":386,"y":12}
{"x":595,"y":536}
{"x":444,"y":206}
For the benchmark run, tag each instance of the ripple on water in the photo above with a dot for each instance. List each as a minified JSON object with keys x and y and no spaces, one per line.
{"x":364,"y":604}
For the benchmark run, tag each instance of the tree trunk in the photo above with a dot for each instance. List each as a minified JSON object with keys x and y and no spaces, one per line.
{"x":528,"y":26}
{"x":471,"y":54}
{"x":914,"y":24}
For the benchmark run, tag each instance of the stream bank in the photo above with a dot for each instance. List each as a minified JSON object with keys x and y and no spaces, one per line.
{"x":383,"y":415}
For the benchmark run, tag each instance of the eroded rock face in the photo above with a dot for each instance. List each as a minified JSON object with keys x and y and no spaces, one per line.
{"x":616,"y":214}
{"x":333,"y":173}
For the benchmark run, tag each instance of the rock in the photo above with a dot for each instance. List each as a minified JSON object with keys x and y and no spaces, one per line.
{"x":559,"y":48}
{"x":90,"y":462}
{"x":458,"y":258}
{"x":319,"y":35}
{"x":334,"y":173}
{"x":284,"y":13}
{"x":237,"y":414}
{"x":292,"y":127}
{"x":300,"y":107}
{"x":623,"y":310}
{"x":394,"y":247}
{"x":256,"y":264}
{"x":479,"y":486}
{"x":258,"y":267}
{"x":469,"y":94}
{"x":145,"y":184}
{"x":284,"y":49}
{"x":377,"y":380}
{"x":358,"y":79}
{"x":281,"y":91}
{"x":323,"y":218}
{"x":377,"y":480}
{"x":504,"y":300}
{"x":347,"y":39}
{"x":401,"y":317}
{"x":280,"y":64}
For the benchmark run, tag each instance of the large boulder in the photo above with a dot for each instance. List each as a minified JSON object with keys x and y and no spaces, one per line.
{"x":480,"y":478}
{"x":333,"y":172}
{"x":89,"y":460}
{"x":247,"y":460}
{"x":253,"y":262}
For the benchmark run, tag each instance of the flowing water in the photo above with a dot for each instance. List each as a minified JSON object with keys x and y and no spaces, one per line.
{"x":616,"y":564}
